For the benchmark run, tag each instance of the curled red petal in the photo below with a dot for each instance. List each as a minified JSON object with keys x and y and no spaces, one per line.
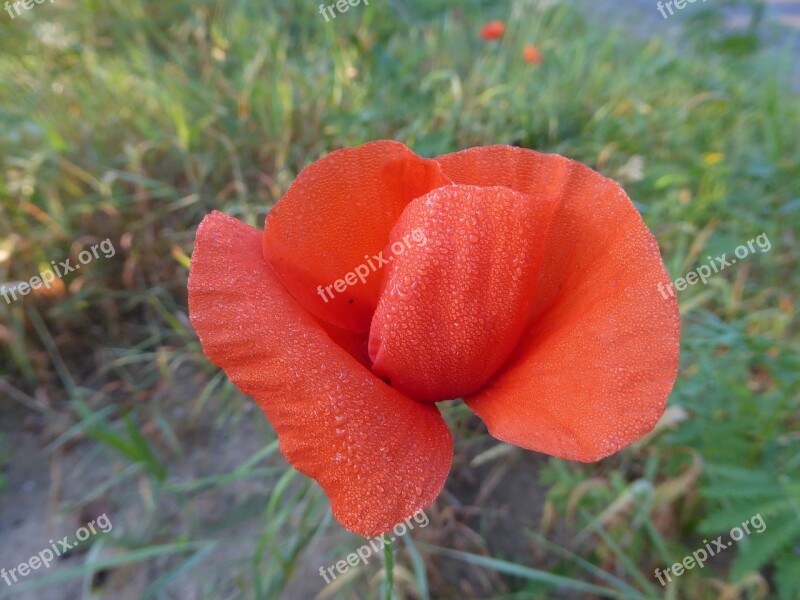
{"x":335,"y":216}
{"x":594,"y":369}
{"x":457,"y":295}
{"x":378,"y":455}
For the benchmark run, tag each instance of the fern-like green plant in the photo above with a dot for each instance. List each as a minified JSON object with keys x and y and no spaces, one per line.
{"x":775,"y":501}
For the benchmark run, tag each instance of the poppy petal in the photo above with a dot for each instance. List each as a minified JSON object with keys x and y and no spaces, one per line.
{"x":453,"y":308}
{"x":378,"y":455}
{"x":335,"y":216}
{"x":493,"y":30}
{"x":531,"y":55}
{"x":593,"y":371}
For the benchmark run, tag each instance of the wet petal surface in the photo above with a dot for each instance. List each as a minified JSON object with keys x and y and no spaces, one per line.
{"x":378,"y":455}
{"x":599,"y":359}
{"x":454,"y":307}
{"x":337,"y":215}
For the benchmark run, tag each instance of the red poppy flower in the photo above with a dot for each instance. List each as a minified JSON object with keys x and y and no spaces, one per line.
{"x":525,"y":283}
{"x":532,"y":55}
{"x":493,"y":30}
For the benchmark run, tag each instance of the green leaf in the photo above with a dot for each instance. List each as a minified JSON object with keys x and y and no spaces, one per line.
{"x":523,"y":572}
{"x":759,"y":548}
{"x":787,"y":576}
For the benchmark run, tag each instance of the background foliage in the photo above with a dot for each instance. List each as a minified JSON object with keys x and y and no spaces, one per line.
{"x":130,"y":120}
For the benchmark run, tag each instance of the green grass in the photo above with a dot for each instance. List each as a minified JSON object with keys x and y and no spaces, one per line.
{"x":131,"y":120}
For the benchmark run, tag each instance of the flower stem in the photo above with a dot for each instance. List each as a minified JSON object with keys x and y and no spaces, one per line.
{"x":388,"y":557}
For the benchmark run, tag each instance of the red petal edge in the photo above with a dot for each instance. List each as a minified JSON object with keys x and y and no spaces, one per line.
{"x":594,"y":370}
{"x":378,"y":455}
